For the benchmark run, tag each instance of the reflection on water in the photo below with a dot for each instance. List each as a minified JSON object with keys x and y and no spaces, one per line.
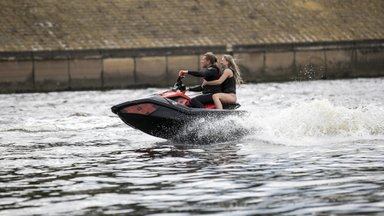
{"x":314,"y":148}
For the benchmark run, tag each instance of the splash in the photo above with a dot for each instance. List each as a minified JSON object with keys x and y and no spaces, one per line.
{"x":298,"y":123}
{"x":212,"y":130}
{"x":319,"y":119}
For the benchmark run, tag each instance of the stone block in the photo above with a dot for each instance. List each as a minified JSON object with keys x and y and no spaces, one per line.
{"x":85,"y":73}
{"x":279,"y":66}
{"x":16,"y":76}
{"x":310,"y":65}
{"x":251,"y":66}
{"x":368,"y":62}
{"x":177,"y":63}
{"x":151,"y":71}
{"x":118,"y":72}
{"x":339,"y":63}
{"x":51,"y":75}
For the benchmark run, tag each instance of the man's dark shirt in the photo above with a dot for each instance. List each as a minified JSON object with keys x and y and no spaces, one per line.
{"x":212,"y":73}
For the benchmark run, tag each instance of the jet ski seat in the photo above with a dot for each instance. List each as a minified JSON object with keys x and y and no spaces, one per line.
{"x":231,"y":106}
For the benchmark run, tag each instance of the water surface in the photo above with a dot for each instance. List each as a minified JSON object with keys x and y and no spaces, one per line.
{"x":312,"y":148}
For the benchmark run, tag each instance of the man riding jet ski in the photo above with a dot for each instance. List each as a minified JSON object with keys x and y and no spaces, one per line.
{"x":209,"y":62}
{"x":165,"y":114}
{"x":224,"y":86}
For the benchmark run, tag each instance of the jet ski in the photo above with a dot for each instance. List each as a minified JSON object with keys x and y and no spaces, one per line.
{"x":163,"y":115}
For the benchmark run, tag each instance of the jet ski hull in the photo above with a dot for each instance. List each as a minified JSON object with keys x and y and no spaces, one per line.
{"x":162,"y":117}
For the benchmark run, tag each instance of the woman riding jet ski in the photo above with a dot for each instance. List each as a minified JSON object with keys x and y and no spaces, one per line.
{"x":165,"y":114}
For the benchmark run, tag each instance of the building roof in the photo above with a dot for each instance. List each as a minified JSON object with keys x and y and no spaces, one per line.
{"x":55,"y":25}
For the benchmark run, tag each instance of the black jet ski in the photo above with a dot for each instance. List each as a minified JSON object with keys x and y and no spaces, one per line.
{"x":163,"y":115}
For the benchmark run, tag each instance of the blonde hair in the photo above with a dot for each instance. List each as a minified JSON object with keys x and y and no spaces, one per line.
{"x":233,"y":66}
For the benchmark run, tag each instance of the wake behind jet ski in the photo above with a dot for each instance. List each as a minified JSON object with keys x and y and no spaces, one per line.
{"x":163,"y":115}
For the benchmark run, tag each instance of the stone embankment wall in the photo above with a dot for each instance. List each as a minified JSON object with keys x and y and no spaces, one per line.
{"x":51,"y":45}
{"x":117,"y":70}
{"x":257,"y":65}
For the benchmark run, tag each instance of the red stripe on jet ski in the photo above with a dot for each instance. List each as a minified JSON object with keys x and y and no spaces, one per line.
{"x":142,"y":109}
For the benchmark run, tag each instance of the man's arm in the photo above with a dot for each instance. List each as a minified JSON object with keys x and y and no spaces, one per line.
{"x":196,"y":73}
{"x":197,"y":88}
{"x":210,"y":74}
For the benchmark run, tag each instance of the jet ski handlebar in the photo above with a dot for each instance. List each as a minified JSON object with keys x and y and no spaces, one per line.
{"x":179,"y":86}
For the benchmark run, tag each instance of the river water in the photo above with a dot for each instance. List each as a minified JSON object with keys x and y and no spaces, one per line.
{"x":312,"y":148}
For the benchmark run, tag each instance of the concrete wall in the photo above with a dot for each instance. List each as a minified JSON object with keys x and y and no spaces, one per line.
{"x":252,"y":66}
{"x":51,"y":75}
{"x":151,"y":71}
{"x":176,"y":63}
{"x":339,"y":64}
{"x":118,"y":72}
{"x":125,"y":72}
{"x":85,"y":73}
{"x":16,"y":76}
{"x":310,"y":65}
{"x":367,"y":62}
{"x":279,"y":66}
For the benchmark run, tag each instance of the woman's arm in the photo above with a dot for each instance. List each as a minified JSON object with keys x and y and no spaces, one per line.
{"x":227,"y":73}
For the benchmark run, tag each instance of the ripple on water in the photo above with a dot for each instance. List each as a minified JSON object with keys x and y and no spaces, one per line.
{"x":306,"y":148}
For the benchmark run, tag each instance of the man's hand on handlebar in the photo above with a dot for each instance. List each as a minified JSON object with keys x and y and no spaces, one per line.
{"x":183,"y":73}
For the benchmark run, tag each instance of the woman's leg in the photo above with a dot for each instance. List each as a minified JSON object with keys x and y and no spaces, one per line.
{"x":216,"y":100}
{"x":220,"y":98}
